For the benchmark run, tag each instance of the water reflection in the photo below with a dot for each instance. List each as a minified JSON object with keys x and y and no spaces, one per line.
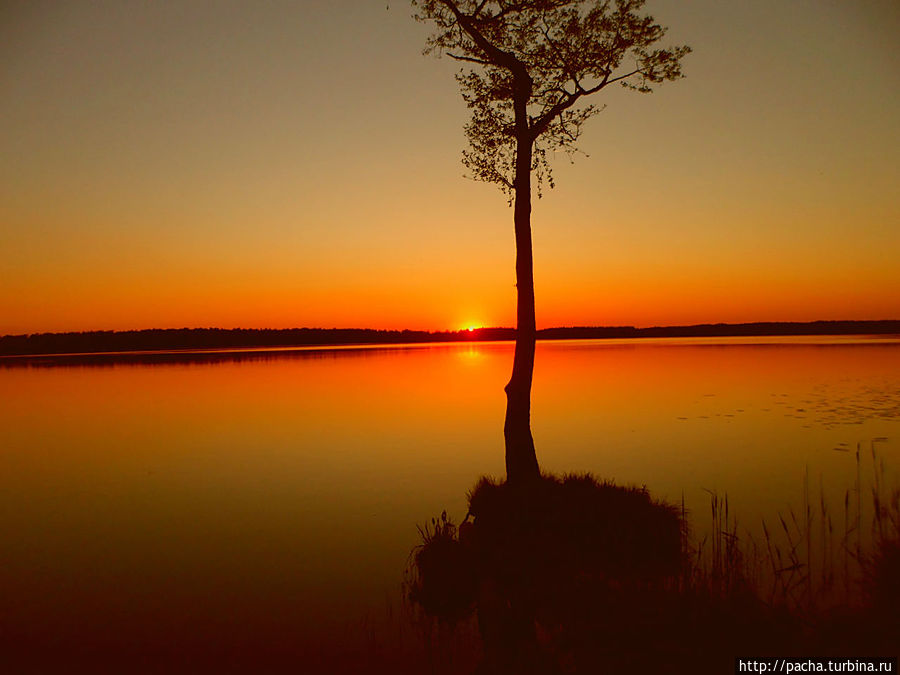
{"x":571,"y":576}
{"x":259,"y":507}
{"x":203,"y":357}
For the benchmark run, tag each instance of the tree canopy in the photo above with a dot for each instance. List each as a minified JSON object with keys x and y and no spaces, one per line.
{"x":555,"y":53}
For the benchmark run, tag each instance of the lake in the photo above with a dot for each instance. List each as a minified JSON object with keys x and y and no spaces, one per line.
{"x":262,"y":506}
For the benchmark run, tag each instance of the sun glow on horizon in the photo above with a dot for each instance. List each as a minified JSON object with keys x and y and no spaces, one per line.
{"x":199,"y":207}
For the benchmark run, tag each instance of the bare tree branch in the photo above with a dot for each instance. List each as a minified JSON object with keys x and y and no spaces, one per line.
{"x":494,"y":54}
{"x":469,"y":59}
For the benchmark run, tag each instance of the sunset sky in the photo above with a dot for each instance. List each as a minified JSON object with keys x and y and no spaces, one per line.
{"x":280,"y":164}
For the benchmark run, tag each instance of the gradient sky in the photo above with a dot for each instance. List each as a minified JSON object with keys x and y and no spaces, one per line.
{"x":277,"y":164}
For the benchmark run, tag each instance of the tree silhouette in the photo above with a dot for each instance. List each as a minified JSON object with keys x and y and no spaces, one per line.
{"x":531,"y":64}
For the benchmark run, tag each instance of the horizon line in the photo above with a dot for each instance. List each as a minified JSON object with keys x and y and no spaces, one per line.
{"x":439,"y":331}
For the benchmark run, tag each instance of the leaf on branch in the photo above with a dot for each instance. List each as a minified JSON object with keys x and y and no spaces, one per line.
{"x":549,"y":55}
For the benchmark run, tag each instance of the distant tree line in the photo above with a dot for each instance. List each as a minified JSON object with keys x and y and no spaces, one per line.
{"x":239,"y":338}
{"x":213,"y":338}
{"x":759,"y":328}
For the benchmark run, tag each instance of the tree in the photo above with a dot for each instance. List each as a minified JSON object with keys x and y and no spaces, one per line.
{"x":531,"y":64}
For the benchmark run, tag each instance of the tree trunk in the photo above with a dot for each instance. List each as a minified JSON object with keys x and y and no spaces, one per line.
{"x":521,"y":460}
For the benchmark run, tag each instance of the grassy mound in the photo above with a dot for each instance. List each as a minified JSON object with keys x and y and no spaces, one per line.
{"x":578,"y":575}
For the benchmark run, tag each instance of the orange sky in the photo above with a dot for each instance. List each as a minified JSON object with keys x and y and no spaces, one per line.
{"x":297,"y":164}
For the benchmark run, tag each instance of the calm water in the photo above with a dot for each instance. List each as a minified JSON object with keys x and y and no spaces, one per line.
{"x":267,"y":503}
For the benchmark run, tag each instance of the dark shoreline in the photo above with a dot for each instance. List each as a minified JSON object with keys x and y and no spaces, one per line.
{"x":155,"y":340}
